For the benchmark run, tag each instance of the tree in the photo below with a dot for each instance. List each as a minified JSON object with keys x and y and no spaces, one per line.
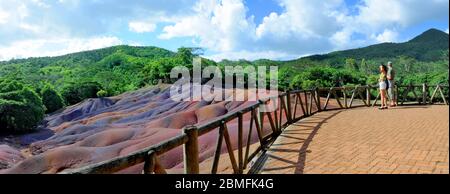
{"x":285,"y":75}
{"x":407,"y":63}
{"x":160,"y":69}
{"x":351,"y":64}
{"x":102,"y":94}
{"x":77,"y":92}
{"x":364,"y":68}
{"x":21,"y":109}
{"x":51,"y":98}
{"x":188,"y":53}
{"x":445,"y":58}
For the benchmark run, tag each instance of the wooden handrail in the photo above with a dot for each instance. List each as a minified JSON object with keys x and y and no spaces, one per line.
{"x":120,"y":163}
{"x":189,"y":138}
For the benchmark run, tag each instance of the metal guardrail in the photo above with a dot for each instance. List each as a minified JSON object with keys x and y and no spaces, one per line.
{"x":292,"y":105}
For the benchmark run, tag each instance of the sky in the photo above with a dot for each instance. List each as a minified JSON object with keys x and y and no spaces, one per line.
{"x":226,"y":29}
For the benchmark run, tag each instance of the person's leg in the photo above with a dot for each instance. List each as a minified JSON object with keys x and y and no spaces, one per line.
{"x":383,"y":98}
{"x":391,"y":95}
{"x":394,"y":89}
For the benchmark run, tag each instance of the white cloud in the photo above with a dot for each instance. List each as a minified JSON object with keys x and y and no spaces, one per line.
{"x":250,"y":55}
{"x":376,"y":13}
{"x":297,"y":30}
{"x":380,"y":21}
{"x":141,"y":27}
{"x":304,"y":26}
{"x":446,"y":30}
{"x":224,"y":27}
{"x":218,"y":25}
{"x":70,"y":21}
{"x":301,"y":19}
{"x":387,"y":36}
{"x":54,"y":47}
{"x":3,"y":16}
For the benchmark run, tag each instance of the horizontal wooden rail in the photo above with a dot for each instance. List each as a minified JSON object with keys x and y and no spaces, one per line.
{"x":120,"y":163}
{"x":289,"y":106}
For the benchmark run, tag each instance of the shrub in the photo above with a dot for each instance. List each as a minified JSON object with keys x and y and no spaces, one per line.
{"x":102,"y":93}
{"x":77,"y":92}
{"x":21,"y":109}
{"x":52,"y":99}
{"x":326,"y":77}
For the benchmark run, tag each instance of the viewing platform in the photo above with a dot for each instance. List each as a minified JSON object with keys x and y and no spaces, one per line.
{"x":401,"y":140}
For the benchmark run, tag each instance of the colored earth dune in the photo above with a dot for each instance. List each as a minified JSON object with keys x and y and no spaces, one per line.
{"x":100,"y":129}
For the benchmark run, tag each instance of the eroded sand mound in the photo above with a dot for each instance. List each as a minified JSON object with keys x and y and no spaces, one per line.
{"x":101,"y":129}
{"x":9,"y":156}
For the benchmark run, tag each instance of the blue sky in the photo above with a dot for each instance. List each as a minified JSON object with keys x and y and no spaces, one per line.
{"x":232,"y":29}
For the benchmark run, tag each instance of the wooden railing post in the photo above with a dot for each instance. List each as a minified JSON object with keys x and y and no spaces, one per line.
{"x":311,"y":100}
{"x":240,"y":142}
{"x":150,"y":163}
{"x":368,"y":96}
{"x":424,"y":93}
{"x":344,"y":92}
{"x":319,"y":106}
{"x":306,"y":103}
{"x":433,"y":94}
{"x":328,"y":98}
{"x":442,"y":94}
{"x":190,"y":148}
{"x":289,"y":107}
{"x":396,"y":94}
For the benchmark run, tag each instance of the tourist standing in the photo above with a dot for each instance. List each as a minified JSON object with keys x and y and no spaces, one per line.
{"x":392,"y":87}
{"x":383,"y":84}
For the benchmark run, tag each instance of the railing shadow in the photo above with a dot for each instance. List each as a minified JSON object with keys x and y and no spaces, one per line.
{"x":302,"y":151}
{"x":410,"y":107}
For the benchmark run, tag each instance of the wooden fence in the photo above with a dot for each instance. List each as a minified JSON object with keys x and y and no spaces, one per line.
{"x":292,"y":105}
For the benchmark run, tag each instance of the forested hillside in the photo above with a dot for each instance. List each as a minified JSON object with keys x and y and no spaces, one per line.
{"x":114,"y":69}
{"x":425,"y":47}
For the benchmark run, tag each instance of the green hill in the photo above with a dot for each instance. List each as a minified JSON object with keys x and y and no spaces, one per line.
{"x":114,"y":70}
{"x":93,"y":56}
{"x":425,"y":47}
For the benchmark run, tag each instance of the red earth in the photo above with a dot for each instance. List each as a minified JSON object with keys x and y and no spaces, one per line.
{"x":101,"y":129}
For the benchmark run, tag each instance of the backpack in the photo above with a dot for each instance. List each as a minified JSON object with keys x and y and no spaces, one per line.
{"x":387,"y":84}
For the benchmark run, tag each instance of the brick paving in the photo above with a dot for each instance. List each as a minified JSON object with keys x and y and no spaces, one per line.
{"x":403,"y":140}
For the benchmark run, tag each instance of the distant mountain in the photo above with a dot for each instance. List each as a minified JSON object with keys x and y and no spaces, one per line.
{"x":426,"y":47}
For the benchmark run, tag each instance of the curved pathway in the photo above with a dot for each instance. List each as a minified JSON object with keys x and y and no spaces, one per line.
{"x":402,"y":140}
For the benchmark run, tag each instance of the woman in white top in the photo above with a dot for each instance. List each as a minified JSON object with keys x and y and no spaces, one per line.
{"x":383,"y":86}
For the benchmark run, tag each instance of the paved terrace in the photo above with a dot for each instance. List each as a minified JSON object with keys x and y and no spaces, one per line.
{"x":403,"y":140}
